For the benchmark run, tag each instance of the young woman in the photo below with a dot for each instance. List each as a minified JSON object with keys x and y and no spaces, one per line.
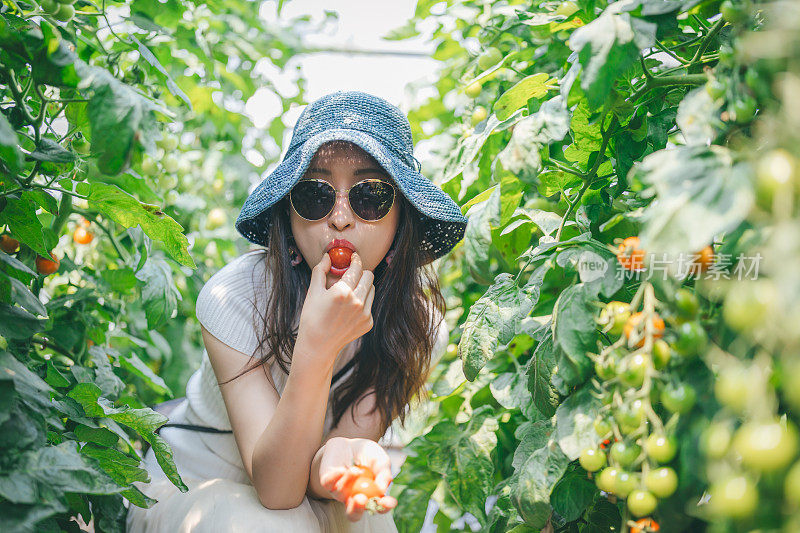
{"x":316,"y":343}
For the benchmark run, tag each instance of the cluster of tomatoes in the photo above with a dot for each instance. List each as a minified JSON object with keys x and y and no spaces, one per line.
{"x":637,"y":388}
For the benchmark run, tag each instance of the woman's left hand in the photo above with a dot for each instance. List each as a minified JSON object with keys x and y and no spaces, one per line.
{"x":338,"y":472}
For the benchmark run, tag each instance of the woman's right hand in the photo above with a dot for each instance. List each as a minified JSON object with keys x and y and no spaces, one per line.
{"x":332,"y":318}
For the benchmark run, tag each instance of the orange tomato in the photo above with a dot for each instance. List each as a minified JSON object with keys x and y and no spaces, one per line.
{"x":82,"y":235}
{"x":705,"y":258}
{"x":366,"y":485}
{"x":645,"y":525}
{"x":633,"y":324}
{"x":9,"y":244}
{"x":630,"y":255}
{"x":46,"y":266}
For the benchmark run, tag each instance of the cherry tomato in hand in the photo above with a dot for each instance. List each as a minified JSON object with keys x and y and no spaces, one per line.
{"x":340,"y":257}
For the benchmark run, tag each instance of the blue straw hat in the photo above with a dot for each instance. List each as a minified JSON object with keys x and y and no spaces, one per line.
{"x":383,"y":131}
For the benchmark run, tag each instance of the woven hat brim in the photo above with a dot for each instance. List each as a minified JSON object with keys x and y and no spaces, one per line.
{"x":444,"y":225}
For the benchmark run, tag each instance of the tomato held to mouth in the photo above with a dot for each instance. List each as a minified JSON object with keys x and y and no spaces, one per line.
{"x":340,"y":257}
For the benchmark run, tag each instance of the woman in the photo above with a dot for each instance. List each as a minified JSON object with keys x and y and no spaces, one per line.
{"x":340,"y":320}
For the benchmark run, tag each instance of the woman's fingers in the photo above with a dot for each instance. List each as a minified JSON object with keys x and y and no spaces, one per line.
{"x":355,"y":507}
{"x":388,"y":503}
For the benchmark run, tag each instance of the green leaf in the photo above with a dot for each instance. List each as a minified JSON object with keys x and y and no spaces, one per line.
{"x":481,"y":218}
{"x":575,"y":330}
{"x":127,"y":211}
{"x":608,"y":45}
{"x":119,"y":117}
{"x":533,"y":86}
{"x":412,"y":504}
{"x":555,"y":181}
{"x":150,"y":58}
{"x":49,"y":150}
{"x":143,"y":421}
{"x":698,"y":117}
{"x":573,"y":493}
{"x":541,"y":368}
{"x":575,"y":423}
{"x":63,"y":467}
{"x":538,"y":475}
{"x":159,"y":292}
{"x":701,"y":193}
{"x":493,"y":319}
{"x":131,"y":362}
{"x":531,"y":436}
{"x":123,"y":469}
{"x":20,"y":215}
{"x":10,"y":154}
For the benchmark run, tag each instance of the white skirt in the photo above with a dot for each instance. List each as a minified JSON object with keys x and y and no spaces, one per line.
{"x":221,"y":498}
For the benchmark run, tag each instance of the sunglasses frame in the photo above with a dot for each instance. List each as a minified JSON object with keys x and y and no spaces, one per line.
{"x":346,"y":193}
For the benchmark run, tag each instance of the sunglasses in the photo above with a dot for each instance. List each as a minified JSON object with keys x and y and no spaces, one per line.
{"x":370,"y":199}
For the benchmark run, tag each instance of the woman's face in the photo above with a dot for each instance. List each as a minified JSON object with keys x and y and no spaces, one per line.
{"x":343,"y":165}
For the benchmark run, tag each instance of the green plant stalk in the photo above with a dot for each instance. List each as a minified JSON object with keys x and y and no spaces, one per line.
{"x":64,"y":210}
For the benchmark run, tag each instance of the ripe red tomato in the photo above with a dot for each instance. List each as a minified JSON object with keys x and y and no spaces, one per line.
{"x":630,"y":255}
{"x":9,"y":244}
{"x":340,"y":257}
{"x":47,"y":266}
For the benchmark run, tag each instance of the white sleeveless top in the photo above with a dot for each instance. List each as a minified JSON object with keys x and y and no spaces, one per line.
{"x":225,"y":309}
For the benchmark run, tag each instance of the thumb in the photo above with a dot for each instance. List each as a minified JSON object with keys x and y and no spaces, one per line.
{"x":320,"y":270}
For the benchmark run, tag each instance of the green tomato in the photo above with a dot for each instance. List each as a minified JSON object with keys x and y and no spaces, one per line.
{"x":678,"y":398}
{"x":641,"y":503}
{"x":607,"y":479}
{"x":66,"y":1}
{"x":686,"y":303}
{"x":625,"y":453}
{"x":792,"y":485}
{"x":715,"y":440}
{"x":614,"y":316}
{"x":744,"y":110}
{"x":80,"y":145}
{"x":625,"y":483}
{"x":662,"y":353}
{"x":65,"y":13}
{"x":662,"y":482}
{"x":606,"y":369}
{"x":692,"y":339}
{"x":168,"y":181}
{"x":149,"y":166}
{"x":775,"y":173}
{"x":766,"y":446}
{"x":602,"y":427}
{"x":634,"y":370}
{"x":592,"y":459}
{"x":479,"y":114}
{"x":567,"y":8}
{"x":473,"y":90}
{"x":489,"y":58}
{"x":731,"y":12}
{"x":630,"y":417}
{"x":747,"y":304}
{"x":661,"y":448}
{"x":752,"y":79}
{"x":170,"y":163}
{"x":168,"y":142}
{"x":3,"y":343}
{"x":49,"y":6}
{"x":733,"y":388}
{"x":716,"y":88}
{"x":184,"y":166}
{"x":733,"y":497}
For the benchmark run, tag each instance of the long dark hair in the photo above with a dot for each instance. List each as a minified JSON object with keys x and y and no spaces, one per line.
{"x":394,"y":356}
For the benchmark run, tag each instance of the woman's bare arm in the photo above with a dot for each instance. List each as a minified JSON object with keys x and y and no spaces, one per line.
{"x":277,"y":435}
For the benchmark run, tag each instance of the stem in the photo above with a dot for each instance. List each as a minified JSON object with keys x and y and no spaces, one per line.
{"x":663,"y":81}
{"x":707,"y":40}
{"x":571,"y":207}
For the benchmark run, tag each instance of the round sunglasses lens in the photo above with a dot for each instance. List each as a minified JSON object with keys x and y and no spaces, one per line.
{"x":372,"y":200}
{"x":312,"y":199}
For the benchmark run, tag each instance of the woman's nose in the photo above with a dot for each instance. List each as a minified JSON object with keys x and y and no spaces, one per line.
{"x":341,"y":216}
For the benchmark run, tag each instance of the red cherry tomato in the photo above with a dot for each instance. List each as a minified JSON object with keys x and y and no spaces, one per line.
{"x":340,"y":257}
{"x":366,"y":486}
